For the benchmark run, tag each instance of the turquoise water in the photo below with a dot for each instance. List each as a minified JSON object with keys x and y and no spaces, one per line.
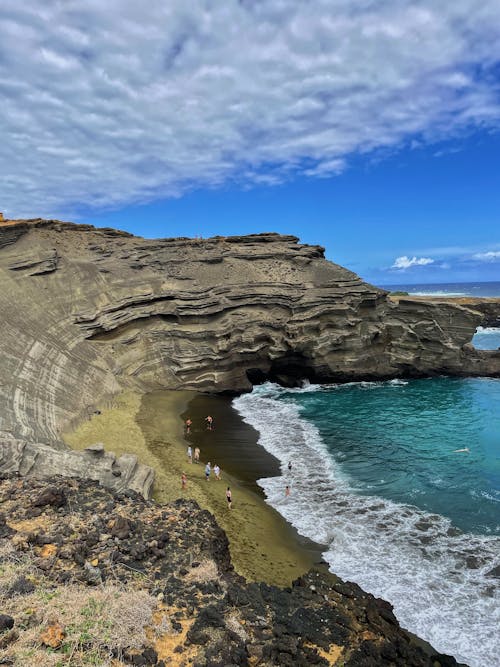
{"x":397,"y":441}
{"x":376,"y":479}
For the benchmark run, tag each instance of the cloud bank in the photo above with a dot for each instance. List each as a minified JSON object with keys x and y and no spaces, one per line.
{"x":491,"y":256}
{"x":405,"y":262}
{"x":109,"y":103}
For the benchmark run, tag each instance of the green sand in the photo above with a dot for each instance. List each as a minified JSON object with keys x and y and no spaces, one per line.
{"x":264,"y":547}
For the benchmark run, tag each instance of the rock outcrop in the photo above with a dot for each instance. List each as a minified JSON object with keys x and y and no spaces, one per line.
{"x":86,"y":312}
{"x":119,"y":474}
{"x":173,"y":561}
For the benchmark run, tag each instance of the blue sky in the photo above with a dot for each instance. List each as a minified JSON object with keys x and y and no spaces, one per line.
{"x":371,"y":128}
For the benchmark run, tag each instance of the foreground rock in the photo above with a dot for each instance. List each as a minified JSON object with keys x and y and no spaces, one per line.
{"x":93,"y":463}
{"x":87,"y":551}
{"x":87,"y":312}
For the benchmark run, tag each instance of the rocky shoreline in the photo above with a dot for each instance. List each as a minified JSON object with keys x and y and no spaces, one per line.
{"x":72,"y":537}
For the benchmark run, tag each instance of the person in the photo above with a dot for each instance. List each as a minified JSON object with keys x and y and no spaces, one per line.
{"x":188,"y":425}
{"x":229,"y":498}
{"x":190,"y":454}
{"x":207,"y":471}
{"x":287,"y":491}
{"x":465,"y":449}
{"x":216,"y":471}
{"x":209,"y":419}
{"x":184,"y":480}
{"x":289,"y":466}
{"x":196,"y":454}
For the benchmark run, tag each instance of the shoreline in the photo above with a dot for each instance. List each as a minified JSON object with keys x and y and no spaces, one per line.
{"x":263,"y":545}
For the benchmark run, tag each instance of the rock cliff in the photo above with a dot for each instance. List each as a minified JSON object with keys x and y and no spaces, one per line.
{"x":86,"y":312}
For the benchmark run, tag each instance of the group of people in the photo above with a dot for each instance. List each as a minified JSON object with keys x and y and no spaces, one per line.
{"x":209,"y":420}
{"x":196,"y":458}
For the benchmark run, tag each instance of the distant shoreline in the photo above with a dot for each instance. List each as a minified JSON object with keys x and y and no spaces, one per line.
{"x":451,"y":290}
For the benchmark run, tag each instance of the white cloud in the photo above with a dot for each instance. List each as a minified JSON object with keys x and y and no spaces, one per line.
{"x":491,"y":256}
{"x":405,"y":262}
{"x":108,"y":103}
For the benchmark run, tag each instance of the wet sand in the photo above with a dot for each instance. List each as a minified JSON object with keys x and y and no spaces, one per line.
{"x":264,"y":547}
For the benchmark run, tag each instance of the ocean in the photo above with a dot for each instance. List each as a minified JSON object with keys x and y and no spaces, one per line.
{"x":376,"y":477}
{"x":489,"y":289}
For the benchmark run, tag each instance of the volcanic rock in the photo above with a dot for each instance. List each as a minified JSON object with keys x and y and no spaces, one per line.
{"x":208,"y":615}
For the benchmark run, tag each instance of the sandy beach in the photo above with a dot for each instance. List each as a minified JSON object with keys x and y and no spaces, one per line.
{"x":264,"y":547}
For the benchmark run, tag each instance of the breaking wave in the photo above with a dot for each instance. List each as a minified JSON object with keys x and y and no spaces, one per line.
{"x":444,"y":584}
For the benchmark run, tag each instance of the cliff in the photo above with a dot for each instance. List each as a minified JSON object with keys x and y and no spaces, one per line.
{"x":87,"y":312}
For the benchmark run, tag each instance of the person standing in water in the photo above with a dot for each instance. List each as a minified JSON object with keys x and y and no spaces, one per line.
{"x":287,"y":491}
{"x":188,"y":423}
{"x":216,"y":471}
{"x":209,"y":419}
{"x":289,"y":466}
{"x":196,"y":454}
{"x":190,"y":454}
{"x":207,"y":471}
{"x":229,"y":498}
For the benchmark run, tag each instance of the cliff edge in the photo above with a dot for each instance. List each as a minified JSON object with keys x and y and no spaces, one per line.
{"x":87,"y":312}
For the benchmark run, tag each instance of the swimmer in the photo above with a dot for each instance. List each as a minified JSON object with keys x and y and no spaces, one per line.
{"x":465,"y":449}
{"x":209,"y":419}
{"x":289,"y":466}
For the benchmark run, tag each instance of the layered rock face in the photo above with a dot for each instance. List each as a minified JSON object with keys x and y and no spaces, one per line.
{"x":86,"y":312}
{"x":119,"y":474}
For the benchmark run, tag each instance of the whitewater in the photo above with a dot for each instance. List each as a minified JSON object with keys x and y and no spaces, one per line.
{"x":442,"y":582}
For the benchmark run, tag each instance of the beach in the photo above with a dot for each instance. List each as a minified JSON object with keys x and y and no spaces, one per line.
{"x":264,"y":547}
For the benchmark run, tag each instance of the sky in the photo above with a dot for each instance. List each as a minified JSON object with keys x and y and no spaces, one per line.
{"x":370,"y":127}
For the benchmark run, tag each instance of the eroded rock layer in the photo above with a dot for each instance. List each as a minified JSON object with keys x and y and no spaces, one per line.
{"x":119,"y":474}
{"x":86,"y":312}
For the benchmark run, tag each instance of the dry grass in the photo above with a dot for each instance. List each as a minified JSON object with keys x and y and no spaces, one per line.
{"x":206,"y":571}
{"x":96,"y":621}
{"x":234,"y":623}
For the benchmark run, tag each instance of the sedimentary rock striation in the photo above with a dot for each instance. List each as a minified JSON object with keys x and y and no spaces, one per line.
{"x":87,"y":312}
{"x":176,"y":558}
{"x":119,"y":474}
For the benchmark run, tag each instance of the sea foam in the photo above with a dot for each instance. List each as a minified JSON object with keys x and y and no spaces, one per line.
{"x":443,"y":583}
